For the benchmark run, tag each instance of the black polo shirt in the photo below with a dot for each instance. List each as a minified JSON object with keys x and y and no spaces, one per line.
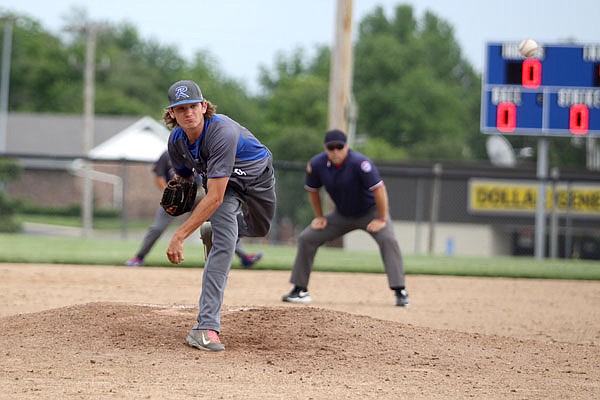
{"x":350,"y":185}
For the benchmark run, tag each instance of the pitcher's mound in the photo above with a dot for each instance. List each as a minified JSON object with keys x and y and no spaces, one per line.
{"x":110,"y":349}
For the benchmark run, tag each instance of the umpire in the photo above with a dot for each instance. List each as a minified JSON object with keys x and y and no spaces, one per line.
{"x":361,"y":202}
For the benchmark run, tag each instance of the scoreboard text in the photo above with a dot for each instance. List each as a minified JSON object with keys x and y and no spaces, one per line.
{"x":554,"y":93}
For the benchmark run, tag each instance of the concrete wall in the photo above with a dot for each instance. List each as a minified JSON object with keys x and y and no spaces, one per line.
{"x":458,"y":239}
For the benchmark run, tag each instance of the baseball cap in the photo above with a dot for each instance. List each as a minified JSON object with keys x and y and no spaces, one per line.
{"x":335,"y":136}
{"x":184,"y":92}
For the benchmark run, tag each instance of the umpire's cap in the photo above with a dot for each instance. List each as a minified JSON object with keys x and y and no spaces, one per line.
{"x":335,"y":136}
{"x":184,"y":92}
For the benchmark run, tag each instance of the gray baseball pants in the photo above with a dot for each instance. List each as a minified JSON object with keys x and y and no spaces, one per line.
{"x":248,"y":213}
{"x":338,"y":225}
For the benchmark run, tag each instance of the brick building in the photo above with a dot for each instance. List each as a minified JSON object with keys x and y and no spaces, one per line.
{"x":49,"y":147}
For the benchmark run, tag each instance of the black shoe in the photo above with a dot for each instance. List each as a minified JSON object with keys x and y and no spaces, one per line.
{"x":402,"y":298}
{"x":297,"y":295}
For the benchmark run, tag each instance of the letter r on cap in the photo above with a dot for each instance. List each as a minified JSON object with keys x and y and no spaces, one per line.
{"x":180,"y":91}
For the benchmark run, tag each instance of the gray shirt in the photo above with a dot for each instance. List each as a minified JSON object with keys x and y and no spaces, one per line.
{"x":225,"y":149}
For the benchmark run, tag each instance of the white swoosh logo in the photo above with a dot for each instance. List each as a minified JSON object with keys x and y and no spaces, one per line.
{"x":205,"y":341}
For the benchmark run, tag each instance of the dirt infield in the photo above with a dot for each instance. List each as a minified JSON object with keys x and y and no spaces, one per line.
{"x":82,"y":332}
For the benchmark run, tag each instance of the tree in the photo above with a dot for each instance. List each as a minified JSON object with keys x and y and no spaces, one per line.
{"x":154,"y":67}
{"x":40,"y":77}
{"x":229,"y":95}
{"x":413,"y":87}
{"x":132,"y":74}
{"x":9,"y":170}
{"x":295,"y":104}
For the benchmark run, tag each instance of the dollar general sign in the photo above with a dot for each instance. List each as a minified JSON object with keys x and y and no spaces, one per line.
{"x":491,"y":196}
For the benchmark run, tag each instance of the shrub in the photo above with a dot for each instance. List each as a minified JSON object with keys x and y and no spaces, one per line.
{"x":8,"y":207}
{"x":9,"y":170}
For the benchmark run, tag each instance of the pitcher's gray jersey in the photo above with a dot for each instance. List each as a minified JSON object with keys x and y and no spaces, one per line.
{"x":225,"y":149}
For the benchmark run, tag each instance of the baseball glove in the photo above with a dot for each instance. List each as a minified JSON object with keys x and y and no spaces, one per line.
{"x":179,"y":196}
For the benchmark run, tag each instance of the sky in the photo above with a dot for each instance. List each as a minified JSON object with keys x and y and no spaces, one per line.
{"x":245,"y":34}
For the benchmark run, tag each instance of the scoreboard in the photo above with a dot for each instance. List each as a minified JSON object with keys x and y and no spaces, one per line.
{"x":554,"y":93}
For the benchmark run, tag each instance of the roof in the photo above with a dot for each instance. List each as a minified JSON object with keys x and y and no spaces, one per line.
{"x":145,"y":140}
{"x":58,"y":135}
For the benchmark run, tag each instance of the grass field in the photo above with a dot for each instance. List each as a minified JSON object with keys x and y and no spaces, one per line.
{"x":24,"y":248}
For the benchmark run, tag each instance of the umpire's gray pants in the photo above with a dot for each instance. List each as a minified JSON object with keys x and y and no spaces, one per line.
{"x":228,"y":224}
{"x":338,"y":225}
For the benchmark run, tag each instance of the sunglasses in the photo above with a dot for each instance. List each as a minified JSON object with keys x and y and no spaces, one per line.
{"x":332,"y":147}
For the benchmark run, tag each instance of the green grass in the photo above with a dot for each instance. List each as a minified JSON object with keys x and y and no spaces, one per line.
{"x":21,"y":248}
{"x":75,"y":222}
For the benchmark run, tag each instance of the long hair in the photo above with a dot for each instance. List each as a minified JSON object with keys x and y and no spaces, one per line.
{"x":211,"y":109}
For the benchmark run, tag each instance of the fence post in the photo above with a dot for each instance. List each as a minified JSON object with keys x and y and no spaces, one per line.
{"x":554,"y":215}
{"x":418,"y":214}
{"x":435,"y":205}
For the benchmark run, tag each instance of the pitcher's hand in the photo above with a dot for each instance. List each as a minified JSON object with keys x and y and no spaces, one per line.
{"x":175,"y":251}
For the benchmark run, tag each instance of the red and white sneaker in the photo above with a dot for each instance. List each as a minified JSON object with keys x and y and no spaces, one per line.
{"x":205,"y":339}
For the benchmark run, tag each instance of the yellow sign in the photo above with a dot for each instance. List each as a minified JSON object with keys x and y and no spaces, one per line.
{"x":505,"y":196}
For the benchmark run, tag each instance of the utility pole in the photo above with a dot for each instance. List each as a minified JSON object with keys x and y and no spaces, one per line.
{"x":540,"y":207}
{"x":4,"y":85}
{"x":87,"y":209}
{"x":340,"y":76}
{"x":90,"y":31}
{"x":340,"y":83}
{"x":5,"y":80}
